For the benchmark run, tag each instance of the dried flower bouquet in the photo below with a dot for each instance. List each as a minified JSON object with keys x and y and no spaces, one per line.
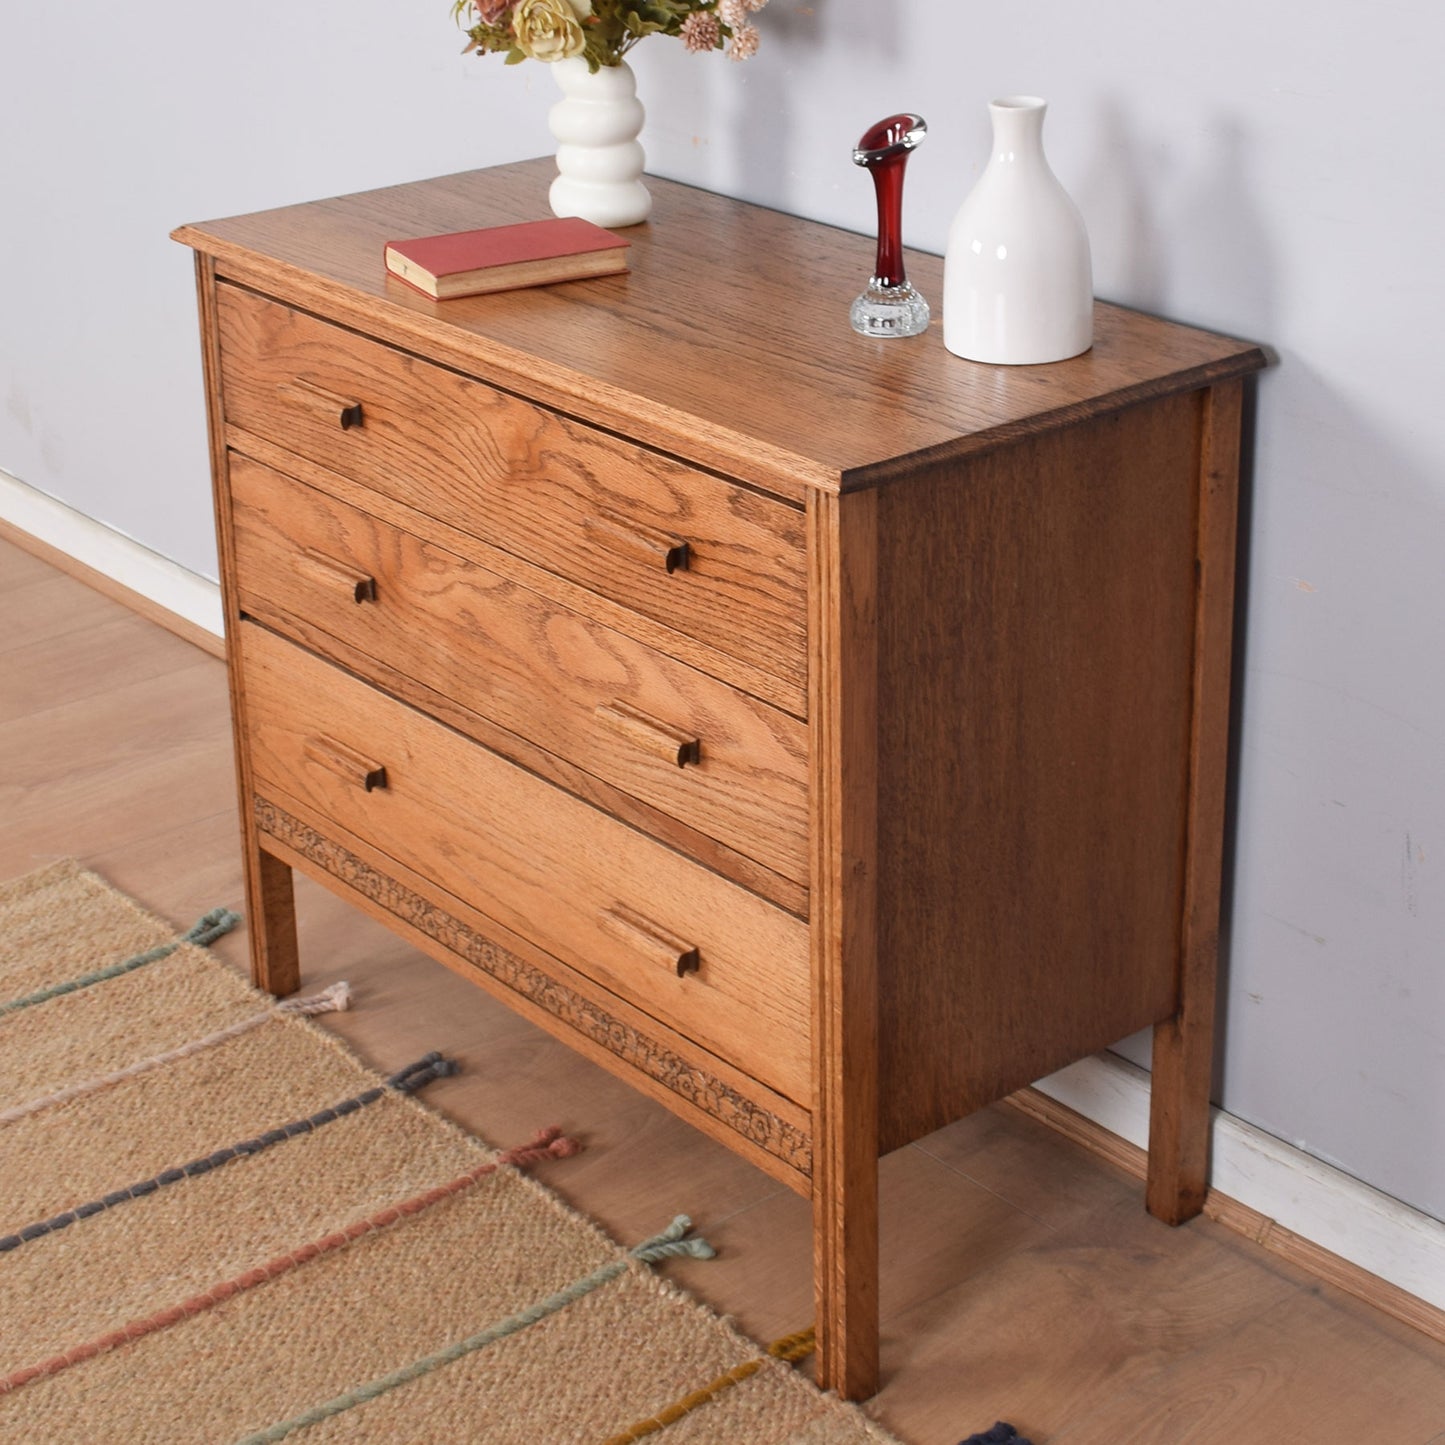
{"x":603,"y":31}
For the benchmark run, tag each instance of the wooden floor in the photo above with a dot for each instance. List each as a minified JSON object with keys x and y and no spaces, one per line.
{"x":1022,"y":1279}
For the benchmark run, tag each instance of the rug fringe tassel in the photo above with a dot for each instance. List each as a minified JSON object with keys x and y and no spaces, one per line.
{"x":423,"y":1071}
{"x":336,"y":999}
{"x":549,"y":1143}
{"x":792,"y":1348}
{"x":672,"y":1244}
{"x":211,"y":926}
{"x":1002,"y":1433}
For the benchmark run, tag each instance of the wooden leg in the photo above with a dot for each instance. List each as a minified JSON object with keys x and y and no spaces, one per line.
{"x":1179,"y":1113}
{"x":271,"y":919}
{"x":1184,"y":1045}
{"x":845,"y":1275}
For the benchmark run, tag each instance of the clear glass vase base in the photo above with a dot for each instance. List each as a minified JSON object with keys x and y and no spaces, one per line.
{"x":889,"y":311}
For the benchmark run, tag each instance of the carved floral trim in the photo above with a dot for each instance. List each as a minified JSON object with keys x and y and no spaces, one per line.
{"x":782,"y":1140}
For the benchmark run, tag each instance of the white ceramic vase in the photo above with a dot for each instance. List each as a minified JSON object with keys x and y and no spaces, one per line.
{"x":599,"y":159}
{"x":1018,"y":286}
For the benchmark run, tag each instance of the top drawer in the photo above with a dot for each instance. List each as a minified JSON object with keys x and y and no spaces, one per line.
{"x":711,"y":559}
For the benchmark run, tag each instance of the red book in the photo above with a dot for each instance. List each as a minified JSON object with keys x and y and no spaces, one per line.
{"x":501,"y":258}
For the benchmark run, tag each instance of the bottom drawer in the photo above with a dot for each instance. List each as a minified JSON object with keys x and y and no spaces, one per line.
{"x":708,"y":958}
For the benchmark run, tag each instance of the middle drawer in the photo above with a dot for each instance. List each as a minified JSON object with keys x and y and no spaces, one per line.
{"x":701,"y":954}
{"x":715,"y":758}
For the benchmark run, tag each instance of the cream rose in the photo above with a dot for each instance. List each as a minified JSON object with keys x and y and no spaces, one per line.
{"x":550,"y":29}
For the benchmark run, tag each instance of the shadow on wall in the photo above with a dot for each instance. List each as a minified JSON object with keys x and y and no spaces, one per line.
{"x":1117,"y":195}
{"x":1171,"y":240}
{"x":1330,"y":999}
{"x":1336,"y":1001}
{"x":1364,"y":524}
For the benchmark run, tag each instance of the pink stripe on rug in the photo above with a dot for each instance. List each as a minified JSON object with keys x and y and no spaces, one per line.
{"x":550,"y":1143}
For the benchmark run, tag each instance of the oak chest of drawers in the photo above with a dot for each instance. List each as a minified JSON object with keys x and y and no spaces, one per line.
{"x":825,"y":734}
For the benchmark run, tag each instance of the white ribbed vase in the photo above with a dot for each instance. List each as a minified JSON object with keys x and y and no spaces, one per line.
{"x":599,"y":159}
{"x":1018,"y":285}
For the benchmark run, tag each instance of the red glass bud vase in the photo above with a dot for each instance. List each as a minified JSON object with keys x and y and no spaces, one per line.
{"x":890,"y":306}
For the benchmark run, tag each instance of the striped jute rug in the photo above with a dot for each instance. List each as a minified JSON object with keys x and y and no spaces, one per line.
{"x":216,"y":1225}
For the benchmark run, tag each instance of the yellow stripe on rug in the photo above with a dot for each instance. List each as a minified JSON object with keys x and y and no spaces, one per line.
{"x":790,"y":1349}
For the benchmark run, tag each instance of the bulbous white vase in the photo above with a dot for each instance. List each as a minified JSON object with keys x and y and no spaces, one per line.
{"x":599,"y":159}
{"x":1018,"y":285}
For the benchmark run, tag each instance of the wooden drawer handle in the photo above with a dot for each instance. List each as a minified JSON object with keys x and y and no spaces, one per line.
{"x":663,"y":948}
{"x":331,"y":574}
{"x":348,"y":765}
{"x":345,"y":412}
{"x":660,"y":739}
{"x":651,"y":545}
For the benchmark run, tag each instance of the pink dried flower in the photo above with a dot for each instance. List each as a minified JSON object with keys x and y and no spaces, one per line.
{"x":700,"y":32}
{"x":491,"y":11}
{"x":732,"y":13}
{"x":745,"y":42}
{"x":754,"y":5}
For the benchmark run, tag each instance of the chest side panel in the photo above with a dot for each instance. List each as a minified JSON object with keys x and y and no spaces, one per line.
{"x":1035,"y":651}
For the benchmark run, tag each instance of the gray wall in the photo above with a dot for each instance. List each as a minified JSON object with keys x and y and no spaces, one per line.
{"x":1267,"y":170}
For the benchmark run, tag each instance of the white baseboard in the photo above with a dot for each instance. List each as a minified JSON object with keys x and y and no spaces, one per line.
{"x":1320,"y":1203}
{"x":125,"y":561}
{"x":1313,"y":1200}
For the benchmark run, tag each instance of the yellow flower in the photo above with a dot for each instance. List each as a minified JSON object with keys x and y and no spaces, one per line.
{"x":549,"y":29}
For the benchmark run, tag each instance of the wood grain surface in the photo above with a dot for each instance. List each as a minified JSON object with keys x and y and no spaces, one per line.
{"x":789,"y":695}
{"x":1036,"y":616}
{"x":706,"y":1090}
{"x":573,"y":686}
{"x":538,"y":861}
{"x":560,"y":495}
